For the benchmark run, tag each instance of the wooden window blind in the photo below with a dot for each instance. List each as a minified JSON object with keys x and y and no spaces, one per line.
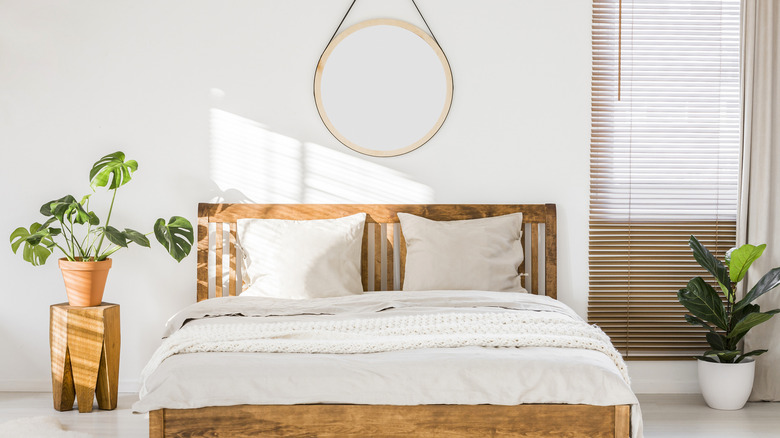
{"x":664,"y":163}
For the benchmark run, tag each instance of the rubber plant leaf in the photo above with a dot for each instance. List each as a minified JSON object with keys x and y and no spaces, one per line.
{"x":717,"y":341}
{"x":112,"y":171}
{"x":742,"y":258}
{"x":697,"y":321}
{"x":727,"y":257}
{"x":724,"y":356}
{"x":136,"y":237}
{"x":752,"y":353}
{"x":176,"y":236}
{"x":769,"y":281}
{"x":749,"y":321}
{"x":737,"y":315}
{"x":703,"y":302}
{"x":714,"y":266}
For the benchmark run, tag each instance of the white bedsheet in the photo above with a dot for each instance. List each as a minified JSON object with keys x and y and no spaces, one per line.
{"x":465,"y":375}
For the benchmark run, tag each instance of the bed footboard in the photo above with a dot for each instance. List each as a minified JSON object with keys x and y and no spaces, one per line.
{"x":533,"y":420}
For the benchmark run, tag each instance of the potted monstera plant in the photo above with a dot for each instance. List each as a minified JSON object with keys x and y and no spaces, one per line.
{"x":86,"y":243}
{"x":726,"y":371}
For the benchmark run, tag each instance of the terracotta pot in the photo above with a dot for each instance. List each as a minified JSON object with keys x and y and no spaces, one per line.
{"x":84,"y":281}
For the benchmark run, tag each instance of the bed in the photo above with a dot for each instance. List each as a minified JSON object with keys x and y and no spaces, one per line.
{"x":192,"y":408}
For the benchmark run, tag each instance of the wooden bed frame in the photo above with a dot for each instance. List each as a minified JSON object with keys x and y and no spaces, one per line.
{"x":383,"y":257}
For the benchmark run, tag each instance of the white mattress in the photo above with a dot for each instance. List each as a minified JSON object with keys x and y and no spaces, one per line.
{"x":464,"y":375}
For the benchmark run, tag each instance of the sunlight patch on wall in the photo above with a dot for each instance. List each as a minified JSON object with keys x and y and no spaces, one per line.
{"x":335,"y":177}
{"x":251,"y":163}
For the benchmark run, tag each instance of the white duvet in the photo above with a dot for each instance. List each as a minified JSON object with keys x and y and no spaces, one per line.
{"x":405,"y":348}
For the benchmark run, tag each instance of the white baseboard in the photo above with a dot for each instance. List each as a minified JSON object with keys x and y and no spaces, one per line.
{"x":25,"y":385}
{"x":40,"y":385}
{"x":664,"y":386}
{"x":663,"y":377}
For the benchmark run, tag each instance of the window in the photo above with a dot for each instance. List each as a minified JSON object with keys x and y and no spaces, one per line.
{"x":664,"y":163}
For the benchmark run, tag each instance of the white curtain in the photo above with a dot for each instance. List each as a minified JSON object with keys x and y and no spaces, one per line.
{"x":759,"y":213}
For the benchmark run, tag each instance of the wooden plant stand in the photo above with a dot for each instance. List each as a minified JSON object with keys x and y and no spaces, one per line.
{"x":84,"y":355}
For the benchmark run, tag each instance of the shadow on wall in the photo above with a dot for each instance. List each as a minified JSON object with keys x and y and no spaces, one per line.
{"x":252,"y":164}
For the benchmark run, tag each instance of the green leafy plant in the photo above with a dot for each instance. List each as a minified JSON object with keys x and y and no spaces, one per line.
{"x":67,"y":215}
{"x":727,"y":323}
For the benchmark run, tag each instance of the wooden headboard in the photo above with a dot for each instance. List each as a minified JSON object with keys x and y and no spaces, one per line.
{"x":384,"y":249}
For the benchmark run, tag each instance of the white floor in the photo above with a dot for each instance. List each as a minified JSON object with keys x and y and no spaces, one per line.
{"x":120,"y":422}
{"x":664,"y":415}
{"x":688,"y":416}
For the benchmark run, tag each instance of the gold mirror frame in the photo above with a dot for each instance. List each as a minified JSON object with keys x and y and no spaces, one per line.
{"x":382,"y":22}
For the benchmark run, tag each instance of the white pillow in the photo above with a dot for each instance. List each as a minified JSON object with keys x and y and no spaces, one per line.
{"x":301,"y":259}
{"x":478,"y":254}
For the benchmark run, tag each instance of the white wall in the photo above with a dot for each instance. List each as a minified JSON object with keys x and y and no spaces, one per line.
{"x":184,"y":87}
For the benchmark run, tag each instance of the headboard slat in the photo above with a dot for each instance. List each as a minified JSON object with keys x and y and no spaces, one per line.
{"x":534,"y":258}
{"x":379,"y":237}
{"x":232,"y":278}
{"x":364,"y":257}
{"x":219,"y":237}
{"x":203,"y":251}
{"x":551,"y":251}
{"x":390,"y":247}
{"x":402,"y":256}
{"x":521,"y":269}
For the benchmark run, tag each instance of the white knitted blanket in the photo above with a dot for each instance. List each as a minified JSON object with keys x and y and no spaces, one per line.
{"x":390,"y":333}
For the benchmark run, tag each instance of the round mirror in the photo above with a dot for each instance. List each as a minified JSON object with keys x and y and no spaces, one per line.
{"x":383,"y":87}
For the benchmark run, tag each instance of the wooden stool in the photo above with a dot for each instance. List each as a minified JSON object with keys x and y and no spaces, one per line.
{"x":84,"y":355}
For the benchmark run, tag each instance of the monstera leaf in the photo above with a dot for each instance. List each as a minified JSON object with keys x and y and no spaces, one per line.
{"x":86,"y":242}
{"x":47,"y":208}
{"x":68,"y":209}
{"x":123,"y":238}
{"x":136,"y":237}
{"x":115,"y":236}
{"x":37,"y":242}
{"x":176,"y":236}
{"x":112,"y":171}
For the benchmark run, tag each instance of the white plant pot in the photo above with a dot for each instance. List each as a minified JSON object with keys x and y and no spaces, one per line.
{"x":726,"y":386}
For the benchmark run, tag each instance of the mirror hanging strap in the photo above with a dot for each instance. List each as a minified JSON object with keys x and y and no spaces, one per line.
{"x":426,"y":24}
{"x":350,"y":9}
